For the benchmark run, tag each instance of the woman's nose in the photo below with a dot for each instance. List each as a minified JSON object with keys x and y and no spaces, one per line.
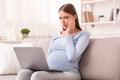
{"x":62,"y":21}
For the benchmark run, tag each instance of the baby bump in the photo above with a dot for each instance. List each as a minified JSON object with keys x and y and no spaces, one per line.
{"x":58,"y":59}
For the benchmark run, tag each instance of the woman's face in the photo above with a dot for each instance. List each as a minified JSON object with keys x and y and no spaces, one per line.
{"x":64,"y":19}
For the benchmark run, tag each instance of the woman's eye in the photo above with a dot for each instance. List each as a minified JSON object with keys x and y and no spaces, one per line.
{"x":60,"y":18}
{"x":66,"y":17}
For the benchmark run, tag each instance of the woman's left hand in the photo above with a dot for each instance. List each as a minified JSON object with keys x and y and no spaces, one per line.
{"x":71,"y":26}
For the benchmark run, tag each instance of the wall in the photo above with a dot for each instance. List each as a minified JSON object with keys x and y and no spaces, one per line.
{"x":104,"y":30}
{"x":40,"y":16}
{"x":2,"y":22}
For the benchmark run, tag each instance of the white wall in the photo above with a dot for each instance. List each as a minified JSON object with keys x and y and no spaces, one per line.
{"x":40,"y":16}
{"x":104,"y":30}
{"x":37,"y":15}
{"x":2,"y":17}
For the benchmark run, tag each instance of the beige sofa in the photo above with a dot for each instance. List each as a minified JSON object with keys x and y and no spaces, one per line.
{"x":100,"y":61}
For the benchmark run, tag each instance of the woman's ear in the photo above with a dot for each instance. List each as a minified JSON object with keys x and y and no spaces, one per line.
{"x":75,"y":16}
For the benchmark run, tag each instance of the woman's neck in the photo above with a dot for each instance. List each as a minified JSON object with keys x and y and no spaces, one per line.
{"x":63,"y":33}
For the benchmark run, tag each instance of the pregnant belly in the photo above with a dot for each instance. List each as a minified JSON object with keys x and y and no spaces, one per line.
{"x":58,"y":60}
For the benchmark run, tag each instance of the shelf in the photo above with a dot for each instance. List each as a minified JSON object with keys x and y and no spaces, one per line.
{"x":91,"y":9}
{"x":93,"y":1}
{"x":10,"y":42}
{"x":94,"y":23}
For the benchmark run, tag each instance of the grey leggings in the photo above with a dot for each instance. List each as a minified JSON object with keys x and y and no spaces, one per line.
{"x":24,"y":75}
{"x":44,"y":75}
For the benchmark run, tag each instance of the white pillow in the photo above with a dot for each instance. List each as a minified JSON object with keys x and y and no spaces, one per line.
{"x":8,"y":61}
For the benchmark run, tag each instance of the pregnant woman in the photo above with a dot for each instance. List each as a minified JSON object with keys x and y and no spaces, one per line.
{"x":65,"y":49}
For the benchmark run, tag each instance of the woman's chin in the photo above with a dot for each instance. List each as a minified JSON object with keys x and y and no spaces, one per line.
{"x":64,"y":28}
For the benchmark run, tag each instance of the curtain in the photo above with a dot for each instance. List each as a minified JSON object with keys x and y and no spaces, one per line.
{"x":40,"y":16}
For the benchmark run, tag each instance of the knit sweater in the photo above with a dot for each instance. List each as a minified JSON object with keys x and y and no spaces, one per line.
{"x":64,"y":52}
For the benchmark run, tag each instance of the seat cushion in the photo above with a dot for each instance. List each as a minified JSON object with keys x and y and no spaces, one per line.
{"x":101,"y":60}
{"x":7,"y":77}
{"x":44,"y":75}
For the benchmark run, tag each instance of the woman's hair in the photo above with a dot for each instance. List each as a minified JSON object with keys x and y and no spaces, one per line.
{"x":69,"y":8}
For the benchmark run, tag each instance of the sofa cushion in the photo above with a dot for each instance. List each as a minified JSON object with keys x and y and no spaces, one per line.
{"x":101,"y":60}
{"x":7,"y":77}
{"x":8,"y":61}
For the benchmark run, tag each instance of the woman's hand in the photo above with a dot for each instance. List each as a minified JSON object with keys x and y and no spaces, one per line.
{"x":71,"y":26}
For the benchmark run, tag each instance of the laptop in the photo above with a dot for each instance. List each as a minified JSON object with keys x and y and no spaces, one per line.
{"x":32,"y":58}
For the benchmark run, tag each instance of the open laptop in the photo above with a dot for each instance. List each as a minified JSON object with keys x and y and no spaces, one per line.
{"x":32,"y":58}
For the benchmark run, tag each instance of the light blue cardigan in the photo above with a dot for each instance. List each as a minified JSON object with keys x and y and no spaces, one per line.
{"x":65,"y":52}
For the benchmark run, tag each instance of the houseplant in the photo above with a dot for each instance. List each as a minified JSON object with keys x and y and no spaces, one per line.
{"x":25,"y":32}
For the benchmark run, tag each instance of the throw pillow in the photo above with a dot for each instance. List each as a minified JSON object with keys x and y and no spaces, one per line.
{"x":8,"y":61}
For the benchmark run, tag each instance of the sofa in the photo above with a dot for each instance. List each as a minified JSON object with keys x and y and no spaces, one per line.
{"x":100,"y":61}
